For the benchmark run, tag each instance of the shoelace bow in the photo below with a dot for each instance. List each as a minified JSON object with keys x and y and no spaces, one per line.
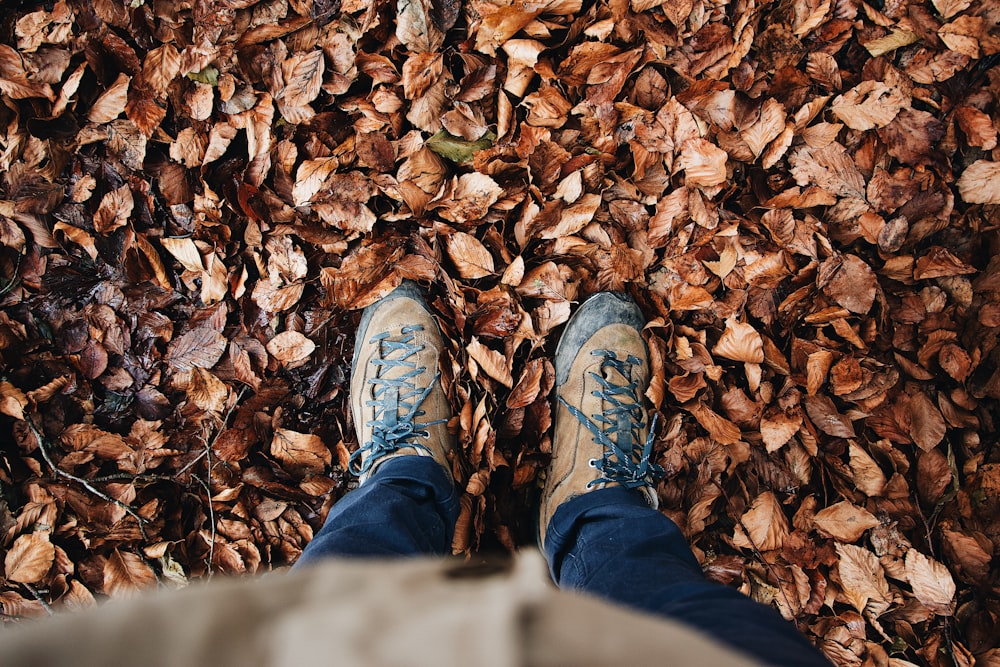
{"x":626,"y":459}
{"x":396,"y":401}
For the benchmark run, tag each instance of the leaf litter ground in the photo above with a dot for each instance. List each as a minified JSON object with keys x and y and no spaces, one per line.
{"x":197,"y":197}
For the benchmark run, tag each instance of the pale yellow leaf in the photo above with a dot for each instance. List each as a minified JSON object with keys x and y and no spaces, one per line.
{"x":184,"y":251}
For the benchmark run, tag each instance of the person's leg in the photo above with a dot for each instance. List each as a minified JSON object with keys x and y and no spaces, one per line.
{"x":599,"y":526}
{"x":406,"y":503}
{"x":612,"y":544}
{"x":408,"y":507}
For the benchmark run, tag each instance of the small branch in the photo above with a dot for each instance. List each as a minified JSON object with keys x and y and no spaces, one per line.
{"x":211,"y":443}
{"x":58,"y":472}
{"x":35,"y":594}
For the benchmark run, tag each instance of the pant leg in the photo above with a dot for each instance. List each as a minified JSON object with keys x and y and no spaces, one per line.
{"x":611,"y":544}
{"x":408,"y":507}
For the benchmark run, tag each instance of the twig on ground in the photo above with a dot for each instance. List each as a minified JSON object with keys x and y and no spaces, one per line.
{"x":35,"y":594}
{"x":58,"y":472}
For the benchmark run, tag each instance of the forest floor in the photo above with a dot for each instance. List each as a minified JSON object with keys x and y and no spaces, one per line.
{"x":197,"y":197}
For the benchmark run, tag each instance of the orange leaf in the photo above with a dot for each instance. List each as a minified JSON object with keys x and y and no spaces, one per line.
{"x":29,"y":558}
{"x":765,"y":523}
{"x":125,"y":574}
{"x":740,"y":342}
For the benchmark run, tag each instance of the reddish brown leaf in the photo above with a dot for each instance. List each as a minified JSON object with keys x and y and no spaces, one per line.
{"x":126,"y":574}
{"x":29,"y":558}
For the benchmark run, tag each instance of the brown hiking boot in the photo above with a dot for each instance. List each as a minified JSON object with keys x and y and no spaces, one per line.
{"x":601,"y":437}
{"x":398,"y":403}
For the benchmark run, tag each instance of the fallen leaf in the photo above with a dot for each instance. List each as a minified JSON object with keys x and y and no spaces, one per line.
{"x":29,"y":558}
{"x":931,"y":582}
{"x":301,"y":451}
{"x":980,"y":183}
{"x":201,"y":347}
{"x":112,"y":101}
{"x":740,"y":342}
{"x":765,"y":523}
{"x":863,"y":580}
{"x":290,"y":348}
{"x":126,"y":574}
{"x":491,"y":362}
{"x":470,"y":256}
{"x":844,"y":521}
{"x":868,"y":105}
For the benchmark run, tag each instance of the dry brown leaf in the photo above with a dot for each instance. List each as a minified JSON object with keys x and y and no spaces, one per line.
{"x":114,"y":210}
{"x":290,"y":348}
{"x":474,"y":194}
{"x":927,"y":427}
{"x":980,"y":183}
{"x":303,"y":75}
{"x":529,"y":385}
{"x":740,"y":342}
{"x":969,"y":559}
{"x":827,"y":418}
{"x":948,"y":8}
{"x":721,"y":429}
{"x":415,"y":26}
{"x":849,"y":281}
{"x":765,"y":522}
{"x":309,"y":178}
{"x":704,"y":163}
{"x":470,"y":256}
{"x":274,"y":298}
{"x":575,"y":217}
{"x":491,"y":362}
{"x":863,"y":580}
{"x":12,"y":400}
{"x":931,"y":582}
{"x":977,"y":126}
{"x":184,"y":251}
{"x":777,"y":426}
{"x":868,"y":105}
{"x":126,"y":574}
{"x":207,"y":391}
{"x":29,"y":558}
{"x":201,"y":347}
{"x":300,"y":451}
{"x":868,"y":476}
{"x":844,"y":521}
{"x":112,"y":101}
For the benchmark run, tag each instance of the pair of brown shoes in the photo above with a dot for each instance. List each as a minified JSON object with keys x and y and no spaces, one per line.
{"x":601,"y":434}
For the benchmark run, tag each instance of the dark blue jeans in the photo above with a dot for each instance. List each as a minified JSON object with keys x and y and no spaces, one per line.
{"x":606,"y":543}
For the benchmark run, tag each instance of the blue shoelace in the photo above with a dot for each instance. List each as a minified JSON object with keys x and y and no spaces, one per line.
{"x":626,"y":460}
{"x":396,"y":402}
